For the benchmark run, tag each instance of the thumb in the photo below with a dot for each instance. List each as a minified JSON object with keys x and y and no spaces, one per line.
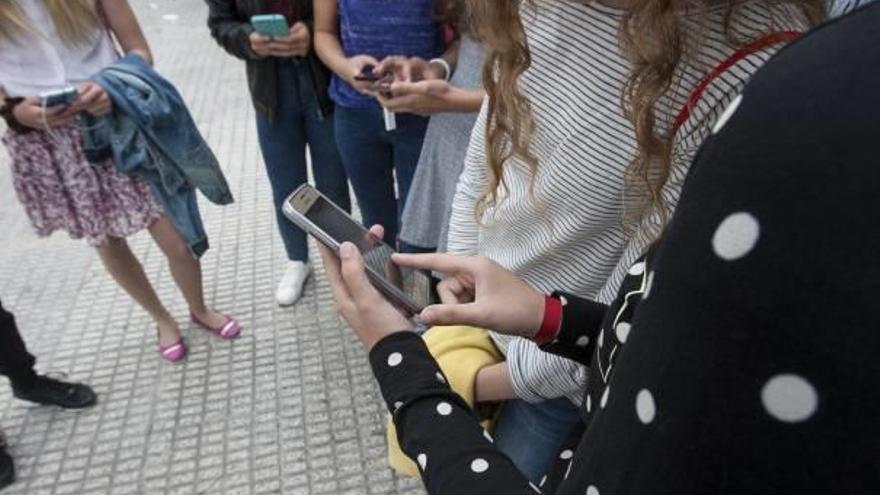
{"x":454,"y":314}
{"x":353,"y":273}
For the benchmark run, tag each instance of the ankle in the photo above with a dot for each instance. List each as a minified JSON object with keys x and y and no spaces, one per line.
{"x":200,"y":313}
{"x":24,"y":381}
{"x":168,"y":327}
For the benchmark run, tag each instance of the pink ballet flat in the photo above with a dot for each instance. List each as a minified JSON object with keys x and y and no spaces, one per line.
{"x":227,"y":331}
{"x":173,"y":353}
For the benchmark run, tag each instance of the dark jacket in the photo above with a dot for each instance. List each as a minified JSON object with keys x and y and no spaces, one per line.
{"x":230,"y":25}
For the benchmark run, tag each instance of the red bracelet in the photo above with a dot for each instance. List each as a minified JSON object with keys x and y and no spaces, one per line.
{"x":552,"y":321}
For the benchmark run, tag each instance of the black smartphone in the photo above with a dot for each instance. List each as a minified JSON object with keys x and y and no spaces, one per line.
{"x":381,"y":83}
{"x":367,"y":74}
{"x":409,"y":289}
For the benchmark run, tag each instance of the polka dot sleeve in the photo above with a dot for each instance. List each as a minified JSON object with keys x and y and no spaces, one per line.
{"x":581,"y":322}
{"x":436,"y":427}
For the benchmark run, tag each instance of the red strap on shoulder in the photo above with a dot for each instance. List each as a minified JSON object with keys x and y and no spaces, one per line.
{"x":753,"y":47}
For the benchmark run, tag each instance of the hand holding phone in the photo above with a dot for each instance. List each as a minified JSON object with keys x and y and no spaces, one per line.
{"x":369,"y":314}
{"x":379,"y":83}
{"x":294,"y":43}
{"x":411,"y":290}
{"x":358,"y":72}
{"x":31,"y":113}
{"x":55,"y":98}
{"x":270,"y":25}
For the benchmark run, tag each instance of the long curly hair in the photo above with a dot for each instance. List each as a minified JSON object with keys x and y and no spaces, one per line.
{"x":654,"y":39}
{"x":509,"y":124}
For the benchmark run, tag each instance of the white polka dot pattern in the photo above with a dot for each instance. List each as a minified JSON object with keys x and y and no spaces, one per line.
{"x":622,"y":331}
{"x":566,"y":454}
{"x":592,"y":490}
{"x":637,"y":269}
{"x":444,"y":409}
{"x":479,"y":465}
{"x":789,"y":398}
{"x":394,"y":359}
{"x":646,"y":409}
{"x":422,"y":460}
{"x":582,"y":341}
{"x":736,"y":236}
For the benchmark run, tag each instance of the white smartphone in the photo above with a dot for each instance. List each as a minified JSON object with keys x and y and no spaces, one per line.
{"x":410,"y":290}
{"x":64,"y":96}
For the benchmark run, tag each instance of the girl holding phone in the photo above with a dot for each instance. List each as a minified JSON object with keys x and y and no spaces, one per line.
{"x":288,"y":86}
{"x":565,"y":186}
{"x":45,"y":44}
{"x":453,"y":106}
{"x":748,"y":365}
{"x":351,"y":38}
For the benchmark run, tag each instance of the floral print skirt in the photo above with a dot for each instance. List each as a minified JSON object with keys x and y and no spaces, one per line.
{"x":61,"y":190}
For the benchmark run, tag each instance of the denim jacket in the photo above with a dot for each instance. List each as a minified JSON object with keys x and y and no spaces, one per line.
{"x":152,"y":135}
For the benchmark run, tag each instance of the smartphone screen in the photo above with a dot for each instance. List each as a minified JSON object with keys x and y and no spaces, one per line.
{"x":414,"y":284}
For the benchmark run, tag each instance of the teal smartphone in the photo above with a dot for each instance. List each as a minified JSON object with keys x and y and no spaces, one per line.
{"x":271,"y":25}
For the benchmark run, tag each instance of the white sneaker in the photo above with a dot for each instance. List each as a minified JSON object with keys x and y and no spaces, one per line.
{"x":291,"y":285}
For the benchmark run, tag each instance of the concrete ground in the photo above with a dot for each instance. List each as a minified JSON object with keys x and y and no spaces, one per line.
{"x":290,"y":407}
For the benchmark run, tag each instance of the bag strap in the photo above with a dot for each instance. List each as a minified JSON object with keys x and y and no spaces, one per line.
{"x":753,"y":47}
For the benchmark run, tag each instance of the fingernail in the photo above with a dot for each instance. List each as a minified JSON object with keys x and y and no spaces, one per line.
{"x":346,"y":250}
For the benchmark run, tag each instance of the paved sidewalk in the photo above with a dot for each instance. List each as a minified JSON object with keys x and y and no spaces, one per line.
{"x":289,"y":408}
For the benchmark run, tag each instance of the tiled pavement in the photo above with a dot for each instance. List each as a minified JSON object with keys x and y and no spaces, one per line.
{"x":288,"y":408}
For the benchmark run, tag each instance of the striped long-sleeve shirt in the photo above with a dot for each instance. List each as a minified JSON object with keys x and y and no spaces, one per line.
{"x":565,"y":231}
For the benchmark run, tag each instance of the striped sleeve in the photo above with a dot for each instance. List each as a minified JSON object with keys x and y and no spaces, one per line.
{"x":838,"y":8}
{"x":463,"y":237}
{"x":538,"y":376}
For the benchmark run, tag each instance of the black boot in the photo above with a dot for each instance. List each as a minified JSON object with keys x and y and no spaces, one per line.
{"x":49,"y":391}
{"x":7,"y":468}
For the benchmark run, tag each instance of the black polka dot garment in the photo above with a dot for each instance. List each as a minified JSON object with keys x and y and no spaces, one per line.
{"x":741,"y":355}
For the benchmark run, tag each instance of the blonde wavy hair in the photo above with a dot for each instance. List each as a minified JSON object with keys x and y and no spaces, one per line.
{"x":76,"y":21}
{"x":510,"y":125}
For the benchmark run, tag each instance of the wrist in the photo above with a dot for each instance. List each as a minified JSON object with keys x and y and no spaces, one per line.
{"x":440,"y":68}
{"x":551,"y":320}
{"x":7,"y":112}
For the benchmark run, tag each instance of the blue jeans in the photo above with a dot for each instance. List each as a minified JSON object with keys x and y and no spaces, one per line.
{"x":371,"y":156}
{"x":532,"y":434}
{"x":298,"y":122}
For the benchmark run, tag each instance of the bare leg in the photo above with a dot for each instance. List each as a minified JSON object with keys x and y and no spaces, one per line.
{"x":186,"y":270}
{"x":128,"y":272}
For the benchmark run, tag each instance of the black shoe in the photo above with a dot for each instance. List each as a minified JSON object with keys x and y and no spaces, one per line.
{"x":52,"y":392}
{"x":7,"y":468}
